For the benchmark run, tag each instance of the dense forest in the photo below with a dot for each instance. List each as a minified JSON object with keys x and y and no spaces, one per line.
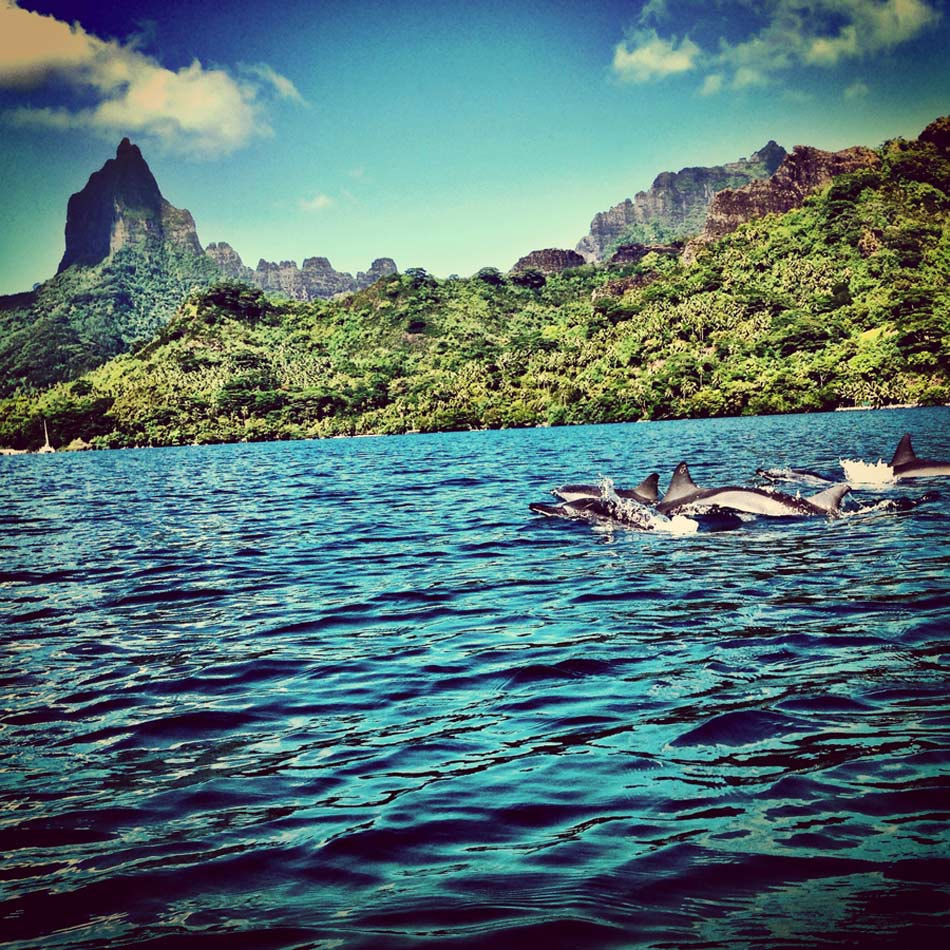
{"x":85,"y":315}
{"x":842,"y":302}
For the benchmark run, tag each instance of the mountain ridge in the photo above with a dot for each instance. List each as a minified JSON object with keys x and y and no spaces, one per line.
{"x":130,"y":259}
{"x":316,"y":278}
{"x":121,"y":206}
{"x":674,"y":207}
{"x":841,"y":301}
{"x":800,"y":174}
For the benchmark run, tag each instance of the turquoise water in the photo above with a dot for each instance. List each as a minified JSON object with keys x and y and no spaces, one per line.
{"x":353,"y":693}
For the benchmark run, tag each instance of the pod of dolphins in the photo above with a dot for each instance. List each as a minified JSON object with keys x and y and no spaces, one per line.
{"x":725,"y":507}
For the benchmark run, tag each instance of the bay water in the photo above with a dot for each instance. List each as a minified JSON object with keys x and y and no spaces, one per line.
{"x":353,"y":693}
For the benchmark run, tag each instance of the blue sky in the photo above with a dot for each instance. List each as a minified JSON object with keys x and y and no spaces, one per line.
{"x":446,"y":135}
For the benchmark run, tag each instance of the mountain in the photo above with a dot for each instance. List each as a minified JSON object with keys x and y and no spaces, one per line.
{"x":800,"y":174}
{"x":551,"y":260}
{"x":842,"y":300}
{"x":121,"y":207}
{"x":131,"y":258}
{"x":675,"y":206}
{"x":317,"y":278}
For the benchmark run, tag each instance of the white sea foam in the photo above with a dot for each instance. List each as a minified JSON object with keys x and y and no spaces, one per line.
{"x":680,"y":524}
{"x":635,"y":515}
{"x":867,"y":474}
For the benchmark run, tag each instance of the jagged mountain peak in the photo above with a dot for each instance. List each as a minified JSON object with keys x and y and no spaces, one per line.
{"x":674,"y":208}
{"x":315,"y":278}
{"x":803,"y":171}
{"x":771,"y":155}
{"x":120,"y":206}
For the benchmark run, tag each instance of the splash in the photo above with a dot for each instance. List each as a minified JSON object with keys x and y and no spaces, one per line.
{"x":680,"y":524}
{"x":867,"y":474}
{"x":894,"y":504}
{"x":608,"y":491}
{"x":630,"y":512}
{"x":883,"y":505}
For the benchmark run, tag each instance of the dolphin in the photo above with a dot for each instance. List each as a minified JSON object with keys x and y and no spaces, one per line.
{"x":906,"y":464}
{"x":804,"y":475}
{"x":599,"y":510}
{"x":633,"y":514}
{"x":684,"y":496}
{"x":646,"y":493}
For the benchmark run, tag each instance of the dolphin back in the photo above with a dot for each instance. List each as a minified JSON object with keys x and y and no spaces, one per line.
{"x":681,"y":485}
{"x":649,"y":489}
{"x":904,"y":454}
{"x":830,"y":499}
{"x":576,"y":492}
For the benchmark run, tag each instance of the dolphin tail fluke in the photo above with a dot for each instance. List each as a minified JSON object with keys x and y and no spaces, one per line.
{"x":904,"y":454}
{"x":830,"y":499}
{"x":681,"y":484}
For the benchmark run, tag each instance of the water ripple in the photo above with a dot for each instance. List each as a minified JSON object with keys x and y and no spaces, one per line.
{"x":352,"y":693}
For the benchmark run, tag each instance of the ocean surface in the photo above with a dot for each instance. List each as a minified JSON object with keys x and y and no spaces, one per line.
{"x":352,"y":693}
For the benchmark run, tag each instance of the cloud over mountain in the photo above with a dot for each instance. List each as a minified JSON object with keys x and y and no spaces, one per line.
{"x":645,"y":56}
{"x":113,"y":87}
{"x":782,"y":34}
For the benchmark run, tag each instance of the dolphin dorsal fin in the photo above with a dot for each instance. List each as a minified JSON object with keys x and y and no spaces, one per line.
{"x":830,"y":499}
{"x":649,"y":488}
{"x":681,"y":484}
{"x":904,"y":453}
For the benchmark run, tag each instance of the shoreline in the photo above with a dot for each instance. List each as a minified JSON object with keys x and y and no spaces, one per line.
{"x":86,"y":447}
{"x":897,"y":405}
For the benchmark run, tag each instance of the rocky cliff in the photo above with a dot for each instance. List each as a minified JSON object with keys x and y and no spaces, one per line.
{"x":675,"y":206}
{"x":316,"y":278}
{"x":938,"y":134}
{"x":121,"y":207}
{"x":551,"y":260}
{"x":381,"y":267}
{"x":801,"y":173}
{"x":131,"y":258}
{"x":634,"y":253}
{"x":229,"y":261}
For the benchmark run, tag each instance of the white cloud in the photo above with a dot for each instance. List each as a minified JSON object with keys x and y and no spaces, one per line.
{"x":281,"y":84}
{"x":825,"y":32}
{"x":746,"y":76}
{"x":193,"y":109}
{"x":871,"y":26}
{"x":789,"y":33}
{"x":646,"y":55}
{"x":712,"y":85}
{"x":857,"y":90}
{"x":33,"y":46}
{"x":316,"y":203}
{"x":653,"y":11}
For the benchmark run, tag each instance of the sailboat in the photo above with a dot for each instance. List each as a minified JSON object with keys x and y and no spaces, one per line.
{"x":46,"y":447}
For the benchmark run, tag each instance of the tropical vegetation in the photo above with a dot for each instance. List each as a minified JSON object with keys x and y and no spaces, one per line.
{"x":842,"y":302}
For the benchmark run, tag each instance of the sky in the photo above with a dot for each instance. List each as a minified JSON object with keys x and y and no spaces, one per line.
{"x":445,"y":135}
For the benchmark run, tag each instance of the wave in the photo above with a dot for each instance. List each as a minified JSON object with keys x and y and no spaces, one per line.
{"x":861,"y":474}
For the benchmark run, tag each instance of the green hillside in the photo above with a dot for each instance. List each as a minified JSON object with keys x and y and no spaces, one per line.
{"x":86,"y":315}
{"x":844,"y":301}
